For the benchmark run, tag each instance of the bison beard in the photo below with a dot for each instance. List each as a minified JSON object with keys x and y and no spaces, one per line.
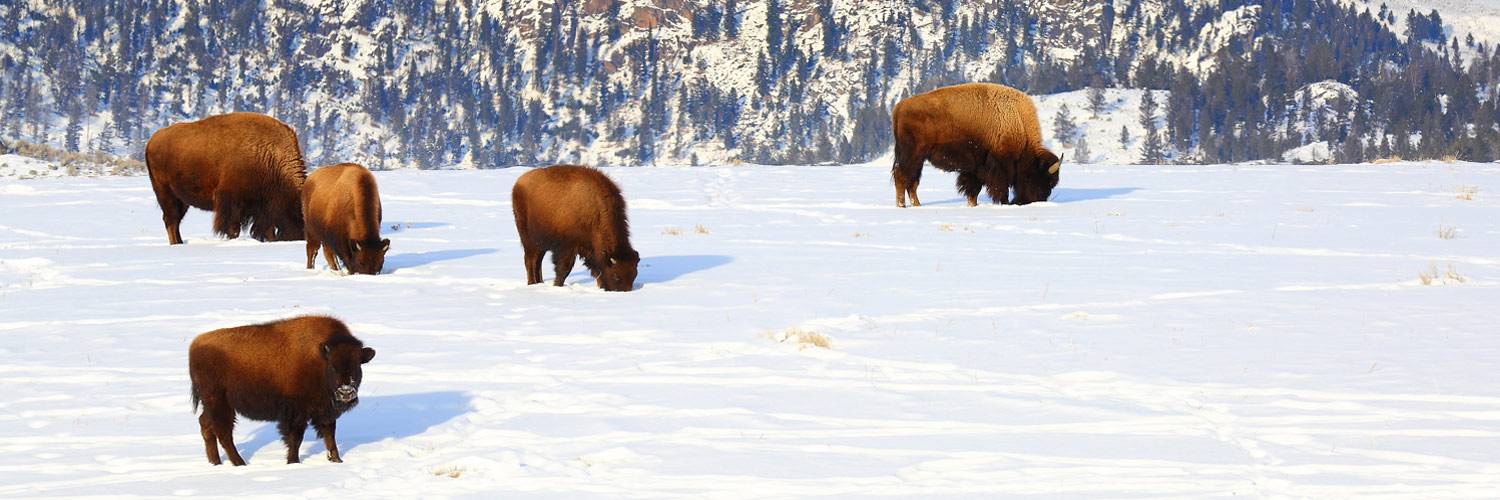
{"x":987,"y":133}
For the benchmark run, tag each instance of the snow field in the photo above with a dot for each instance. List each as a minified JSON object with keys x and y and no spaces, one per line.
{"x":1152,"y":331}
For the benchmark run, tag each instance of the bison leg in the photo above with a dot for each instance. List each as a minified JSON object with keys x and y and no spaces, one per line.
{"x":221,"y":418}
{"x":534,"y":265}
{"x":915,"y":178}
{"x":329,"y":255}
{"x":210,"y":443}
{"x":312,"y":250}
{"x":562,"y":263}
{"x":292,"y":427}
{"x":970,"y":185}
{"x":999,"y":193}
{"x":172,"y":211}
{"x":227,"y":219}
{"x":908,"y":174}
{"x":325,"y":427}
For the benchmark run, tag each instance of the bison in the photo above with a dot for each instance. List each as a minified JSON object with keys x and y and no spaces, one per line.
{"x":290,"y":372}
{"x":341,"y":212}
{"x":245,"y":167}
{"x":987,"y":133}
{"x":574,"y":211}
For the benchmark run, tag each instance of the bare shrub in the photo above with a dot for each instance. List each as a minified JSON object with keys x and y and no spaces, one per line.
{"x":1447,"y":232}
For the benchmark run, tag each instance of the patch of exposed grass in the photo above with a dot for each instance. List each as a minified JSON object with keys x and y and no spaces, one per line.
{"x":1467,"y":193}
{"x":803,"y":339}
{"x":1432,"y":276}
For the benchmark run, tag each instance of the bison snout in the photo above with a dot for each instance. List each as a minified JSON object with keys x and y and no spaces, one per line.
{"x":346,"y":393}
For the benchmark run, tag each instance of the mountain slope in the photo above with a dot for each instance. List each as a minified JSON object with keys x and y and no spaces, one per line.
{"x":501,"y":82}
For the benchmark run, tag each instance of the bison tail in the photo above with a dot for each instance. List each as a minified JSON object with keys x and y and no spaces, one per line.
{"x":194,"y":397}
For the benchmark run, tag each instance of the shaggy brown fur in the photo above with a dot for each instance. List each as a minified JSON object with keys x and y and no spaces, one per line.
{"x":341,"y":211}
{"x":289,"y":372}
{"x":245,"y":167}
{"x":574,"y":211}
{"x":987,"y":133}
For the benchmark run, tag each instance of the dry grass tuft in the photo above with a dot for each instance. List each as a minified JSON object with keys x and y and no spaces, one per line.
{"x":1449,"y":158}
{"x":1447,"y":232}
{"x":1467,"y":193}
{"x":1433,"y":276}
{"x":1453,"y":276}
{"x":1388,"y":159}
{"x":803,"y":339}
{"x":677,"y":231}
{"x":452,"y":471}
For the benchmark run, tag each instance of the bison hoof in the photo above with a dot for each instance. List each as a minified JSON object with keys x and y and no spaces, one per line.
{"x":335,"y":459}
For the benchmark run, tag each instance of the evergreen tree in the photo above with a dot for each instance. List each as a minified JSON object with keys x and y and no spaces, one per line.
{"x":731,"y":19}
{"x":1081,"y":152}
{"x":1063,"y":128}
{"x":1096,"y":100}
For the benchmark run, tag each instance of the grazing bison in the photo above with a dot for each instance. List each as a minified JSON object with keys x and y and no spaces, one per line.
{"x":341,"y":210}
{"x":987,"y":133}
{"x":574,"y":211}
{"x":289,"y":372}
{"x":245,"y":167}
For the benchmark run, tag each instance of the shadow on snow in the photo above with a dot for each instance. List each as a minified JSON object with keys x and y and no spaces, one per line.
{"x":375,"y":419}
{"x":655,"y":269}
{"x":405,"y":260}
{"x":1059,"y":195}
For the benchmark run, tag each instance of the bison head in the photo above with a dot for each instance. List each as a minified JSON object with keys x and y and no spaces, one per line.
{"x":1036,"y":178}
{"x":618,"y":273}
{"x":368,"y":257}
{"x":344,"y":361}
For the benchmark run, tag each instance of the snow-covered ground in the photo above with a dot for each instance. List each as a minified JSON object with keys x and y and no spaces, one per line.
{"x":1153,"y":331}
{"x":14,"y":166}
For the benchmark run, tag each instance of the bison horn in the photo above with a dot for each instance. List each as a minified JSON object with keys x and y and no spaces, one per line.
{"x":613,"y":261}
{"x":1055,"y":167}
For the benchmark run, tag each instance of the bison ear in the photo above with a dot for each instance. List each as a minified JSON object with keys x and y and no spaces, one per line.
{"x":365,"y":355}
{"x":385,"y":245}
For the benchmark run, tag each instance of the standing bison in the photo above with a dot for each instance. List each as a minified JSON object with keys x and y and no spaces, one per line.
{"x":289,"y":372}
{"x":574,"y":211}
{"x":341,"y":210}
{"x":245,"y":167}
{"x":987,"y":133}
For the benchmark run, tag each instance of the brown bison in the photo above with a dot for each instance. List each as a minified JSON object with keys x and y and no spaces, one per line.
{"x":341,"y":210}
{"x":245,"y":167}
{"x":290,"y":372}
{"x":574,"y":211}
{"x":987,"y":133}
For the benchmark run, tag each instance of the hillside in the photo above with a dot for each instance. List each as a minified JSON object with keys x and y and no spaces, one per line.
{"x":429,"y":84}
